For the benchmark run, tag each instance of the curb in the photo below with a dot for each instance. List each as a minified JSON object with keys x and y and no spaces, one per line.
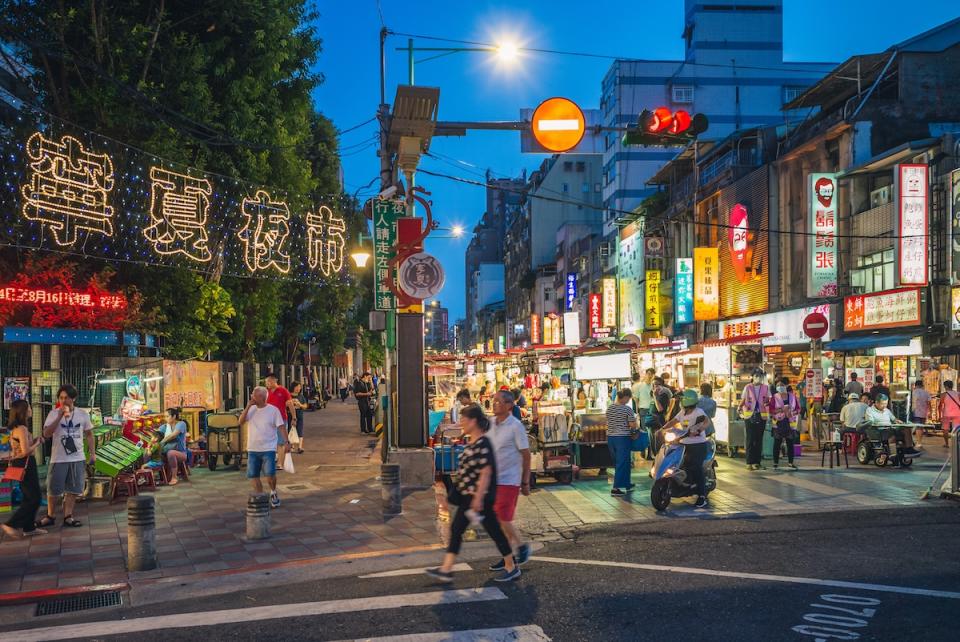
{"x":25,"y":597}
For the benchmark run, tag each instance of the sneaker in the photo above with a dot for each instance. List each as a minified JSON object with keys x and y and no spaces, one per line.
{"x":499,"y":565}
{"x":912,"y":452}
{"x":701,"y":503}
{"x":439,"y":575}
{"x":776,"y":466}
{"x":792,"y":466}
{"x":750,"y":467}
{"x":523,"y":555}
{"x":508,"y":576}
{"x":274,"y":500}
{"x":631,"y":487}
{"x":616,"y":492}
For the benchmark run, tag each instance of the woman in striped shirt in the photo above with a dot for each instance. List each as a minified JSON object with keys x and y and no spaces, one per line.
{"x":620,"y":423}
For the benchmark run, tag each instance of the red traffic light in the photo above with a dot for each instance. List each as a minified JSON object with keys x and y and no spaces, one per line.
{"x":660,"y":120}
{"x":681,"y":122}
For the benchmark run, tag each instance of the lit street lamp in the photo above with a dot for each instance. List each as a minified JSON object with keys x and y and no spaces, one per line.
{"x":360,"y":256}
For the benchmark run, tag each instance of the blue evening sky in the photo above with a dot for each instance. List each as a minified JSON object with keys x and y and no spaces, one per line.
{"x":473,"y":86}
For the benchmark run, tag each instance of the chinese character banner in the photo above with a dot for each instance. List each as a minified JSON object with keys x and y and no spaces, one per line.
{"x":75,"y":192}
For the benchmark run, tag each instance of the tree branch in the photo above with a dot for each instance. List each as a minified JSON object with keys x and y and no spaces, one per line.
{"x":153,"y":42}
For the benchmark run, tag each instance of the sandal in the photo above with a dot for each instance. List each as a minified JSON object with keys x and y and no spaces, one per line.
{"x":46,"y":520}
{"x":71,"y":522}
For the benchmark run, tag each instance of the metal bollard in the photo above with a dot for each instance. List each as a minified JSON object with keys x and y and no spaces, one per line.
{"x":390,"y":489}
{"x":258,"y":516}
{"x":141,"y":534}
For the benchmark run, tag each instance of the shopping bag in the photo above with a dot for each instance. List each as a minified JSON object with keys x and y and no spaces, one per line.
{"x":640,"y":442}
{"x":293,"y":437}
{"x":288,"y":464}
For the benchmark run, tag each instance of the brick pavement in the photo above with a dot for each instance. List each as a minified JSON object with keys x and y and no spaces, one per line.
{"x":331,"y":506}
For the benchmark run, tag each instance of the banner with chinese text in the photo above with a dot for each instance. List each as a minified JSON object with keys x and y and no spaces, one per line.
{"x":683,"y":296}
{"x":822,"y":244}
{"x":706,"y":277}
{"x":913,"y":248}
{"x":653,"y":319}
{"x":890,"y":309}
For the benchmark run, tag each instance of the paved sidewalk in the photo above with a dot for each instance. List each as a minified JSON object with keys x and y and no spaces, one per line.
{"x":331,"y":506}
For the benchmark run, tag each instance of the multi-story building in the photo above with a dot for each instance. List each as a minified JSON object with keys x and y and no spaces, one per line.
{"x":14,"y":84}
{"x":565,"y":190}
{"x":436,"y":331}
{"x":504,"y":196}
{"x":486,"y":288}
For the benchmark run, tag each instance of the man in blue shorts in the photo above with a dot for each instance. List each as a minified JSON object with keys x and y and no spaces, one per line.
{"x":266,"y":432}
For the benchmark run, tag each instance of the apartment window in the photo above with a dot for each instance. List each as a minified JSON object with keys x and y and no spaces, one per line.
{"x":566,"y":188}
{"x":874,"y":272}
{"x":791,"y":93}
{"x":568,"y":166}
{"x":683,"y":94}
{"x":581,"y":166}
{"x":548,"y":294}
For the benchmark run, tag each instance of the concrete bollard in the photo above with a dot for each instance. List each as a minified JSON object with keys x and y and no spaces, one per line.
{"x":258,"y":516}
{"x":141,"y":534}
{"x":390,"y":489}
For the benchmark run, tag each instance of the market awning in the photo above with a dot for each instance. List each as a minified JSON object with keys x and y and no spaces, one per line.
{"x":849,"y":344}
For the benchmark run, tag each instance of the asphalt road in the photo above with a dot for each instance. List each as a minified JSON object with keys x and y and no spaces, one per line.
{"x":771,"y":578}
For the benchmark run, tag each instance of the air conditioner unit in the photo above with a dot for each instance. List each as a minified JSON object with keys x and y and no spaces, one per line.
{"x":604,"y":250}
{"x":880,"y":196}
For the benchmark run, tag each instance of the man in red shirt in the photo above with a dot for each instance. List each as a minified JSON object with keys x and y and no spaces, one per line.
{"x":278,"y":396}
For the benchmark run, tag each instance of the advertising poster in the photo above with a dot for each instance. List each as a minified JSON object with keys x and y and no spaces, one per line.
{"x":913,"y":243}
{"x":891,"y":309}
{"x":15,"y":388}
{"x":631,"y":275}
{"x":706,"y":286}
{"x":955,"y":226}
{"x":594,"y":311}
{"x":683,"y":297}
{"x":743,"y":249}
{"x":822,"y":245}
{"x":191,"y":383}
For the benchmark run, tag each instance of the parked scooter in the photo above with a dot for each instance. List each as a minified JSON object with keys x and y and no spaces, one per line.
{"x":669,"y":477}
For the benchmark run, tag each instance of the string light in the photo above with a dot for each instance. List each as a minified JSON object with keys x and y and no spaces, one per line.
{"x":325,"y":240}
{"x":264,"y":233}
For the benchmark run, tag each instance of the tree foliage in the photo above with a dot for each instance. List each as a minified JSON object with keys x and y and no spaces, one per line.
{"x":224,"y":86}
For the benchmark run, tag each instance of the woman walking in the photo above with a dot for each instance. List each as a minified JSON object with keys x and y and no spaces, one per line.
{"x":298,"y":403}
{"x":949,"y":411}
{"x":474,"y":494}
{"x":785,"y":410}
{"x":23,"y":522}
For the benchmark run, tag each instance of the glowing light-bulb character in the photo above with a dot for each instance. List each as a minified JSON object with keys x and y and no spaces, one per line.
{"x":178,"y":214}
{"x":265,"y":232}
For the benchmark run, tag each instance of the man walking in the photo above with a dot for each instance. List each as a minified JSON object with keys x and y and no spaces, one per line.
{"x":278,"y":396}
{"x":70,"y":429}
{"x":511,"y":451}
{"x":363,"y":390}
{"x":266,"y":432}
{"x":342,"y":389}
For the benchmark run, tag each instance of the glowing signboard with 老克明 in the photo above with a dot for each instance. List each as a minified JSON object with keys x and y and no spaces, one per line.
{"x":822,"y":246}
{"x":706,"y":283}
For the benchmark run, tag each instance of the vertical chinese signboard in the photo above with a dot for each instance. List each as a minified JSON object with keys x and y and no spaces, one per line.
{"x":594,"y":310}
{"x":955,"y":226}
{"x":551,"y":329}
{"x":534,"y":328}
{"x":706,"y":273}
{"x":683,"y":296}
{"x":385,"y":215}
{"x":822,"y":245}
{"x":912,"y":242}
{"x":652,"y":307}
{"x":571,"y":292}
{"x":609,"y":319}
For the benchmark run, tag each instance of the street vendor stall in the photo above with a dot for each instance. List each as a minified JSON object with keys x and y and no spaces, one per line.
{"x":597,"y":370}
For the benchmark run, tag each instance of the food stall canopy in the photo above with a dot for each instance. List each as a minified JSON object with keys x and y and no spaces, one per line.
{"x":866,"y":343}
{"x":441,"y":371}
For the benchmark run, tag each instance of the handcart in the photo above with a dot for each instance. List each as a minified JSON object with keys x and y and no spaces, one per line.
{"x":224,"y":439}
{"x":553,"y":454}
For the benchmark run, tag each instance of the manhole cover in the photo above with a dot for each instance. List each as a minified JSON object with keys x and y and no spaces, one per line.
{"x":79,"y":603}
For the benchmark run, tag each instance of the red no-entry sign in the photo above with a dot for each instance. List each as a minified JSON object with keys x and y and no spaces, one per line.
{"x":815,"y":325}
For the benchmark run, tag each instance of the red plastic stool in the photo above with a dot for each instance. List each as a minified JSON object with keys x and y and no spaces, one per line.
{"x":126,"y":483}
{"x":199,"y":456}
{"x":850,"y":442}
{"x":164,"y":475}
{"x":145,"y":478}
{"x":183,"y":470}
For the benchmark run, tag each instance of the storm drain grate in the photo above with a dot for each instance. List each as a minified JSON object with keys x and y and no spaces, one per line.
{"x":79,"y":603}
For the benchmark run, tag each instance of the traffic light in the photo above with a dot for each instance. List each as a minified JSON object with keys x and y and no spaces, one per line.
{"x":664,"y":127}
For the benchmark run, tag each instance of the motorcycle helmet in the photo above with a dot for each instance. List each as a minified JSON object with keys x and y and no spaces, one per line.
{"x":689,"y":398}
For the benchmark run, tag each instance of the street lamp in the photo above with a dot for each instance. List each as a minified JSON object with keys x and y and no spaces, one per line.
{"x":506,"y":52}
{"x":360,"y":256}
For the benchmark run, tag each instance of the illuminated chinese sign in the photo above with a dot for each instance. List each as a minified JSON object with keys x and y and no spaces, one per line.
{"x":534,"y":328}
{"x":593,"y":308}
{"x":890,"y":309}
{"x":706,"y":278}
{"x":551,"y":329}
{"x":653,"y":319}
{"x":571,"y":291}
{"x":739,"y":329}
{"x":609,"y":319}
{"x":781,"y":328}
{"x":385,"y":215}
{"x":912,"y":245}
{"x":822,"y":246}
{"x":683,"y":294}
{"x":73,"y":298}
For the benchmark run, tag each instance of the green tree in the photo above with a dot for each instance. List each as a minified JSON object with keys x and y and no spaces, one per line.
{"x":222,"y":85}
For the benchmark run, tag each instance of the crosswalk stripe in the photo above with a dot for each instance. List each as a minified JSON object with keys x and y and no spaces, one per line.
{"x":528,"y":633}
{"x":231,"y":616}
{"x":729,"y":485}
{"x":461,"y":566}
{"x":825,"y":489}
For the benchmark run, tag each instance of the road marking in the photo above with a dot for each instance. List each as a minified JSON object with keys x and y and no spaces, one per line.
{"x":559,"y":125}
{"x":883,"y":588}
{"x":732,"y":486}
{"x":461,"y":566}
{"x":231,"y":616}
{"x":825,"y":489}
{"x":529,"y":633}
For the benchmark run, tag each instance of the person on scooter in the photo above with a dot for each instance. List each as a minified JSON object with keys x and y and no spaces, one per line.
{"x":879,"y":418}
{"x":695,"y":442}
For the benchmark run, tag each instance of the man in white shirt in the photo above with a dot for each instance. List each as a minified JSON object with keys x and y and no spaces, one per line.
{"x":511,"y":449}
{"x":882,"y":420}
{"x":70,"y":429}
{"x":266,"y":432}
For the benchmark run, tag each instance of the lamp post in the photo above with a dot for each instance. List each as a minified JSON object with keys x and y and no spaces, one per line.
{"x":506,"y":51}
